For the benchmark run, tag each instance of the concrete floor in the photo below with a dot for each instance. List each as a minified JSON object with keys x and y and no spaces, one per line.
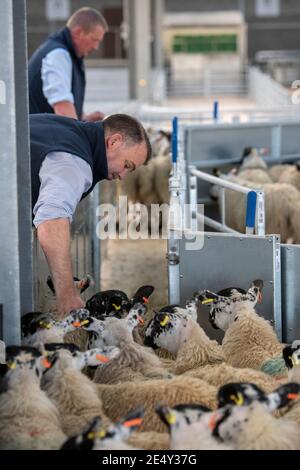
{"x":130,"y":264}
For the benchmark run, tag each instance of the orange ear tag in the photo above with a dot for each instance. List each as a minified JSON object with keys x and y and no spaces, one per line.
{"x":141,"y":321}
{"x":77,"y":324}
{"x":145,"y":300}
{"x":102,"y":358}
{"x":133,"y":422}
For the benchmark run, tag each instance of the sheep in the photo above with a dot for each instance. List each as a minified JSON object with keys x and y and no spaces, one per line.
{"x":286,"y":174}
{"x":116,"y":399}
{"x":189,"y":427}
{"x":95,"y":437}
{"x":291,"y":175}
{"x":29,"y":420}
{"x":254,"y":168}
{"x":92,"y":437}
{"x":282,"y":209}
{"x":250,"y":425}
{"x":134,"y":358}
{"x":249,"y":339}
{"x":45,"y":329}
{"x":74,"y":395}
{"x":291,"y":355}
{"x":276,"y":171}
{"x":181,"y":335}
{"x":115,"y":302}
{"x":221,"y":374}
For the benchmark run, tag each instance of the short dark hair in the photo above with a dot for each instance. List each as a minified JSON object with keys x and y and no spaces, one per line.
{"x":87,"y":18}
{"x":130,"y":128}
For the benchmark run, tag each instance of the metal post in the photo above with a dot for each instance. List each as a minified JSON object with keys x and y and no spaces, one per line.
{"x":139,"y":49}
{"x":159,"y":7}
{"x":223,"y":206}
{"x":14,"y":177}
{"x":23,"y":159}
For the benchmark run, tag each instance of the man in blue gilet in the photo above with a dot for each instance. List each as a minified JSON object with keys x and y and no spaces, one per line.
{"x":56,"y":78}
{"x":68,"y":158}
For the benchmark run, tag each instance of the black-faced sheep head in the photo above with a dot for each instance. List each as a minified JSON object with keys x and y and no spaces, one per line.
{"x":166,"y":330}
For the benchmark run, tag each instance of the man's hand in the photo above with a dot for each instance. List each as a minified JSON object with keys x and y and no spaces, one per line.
{"x":95,"y":116}
{"x":69,"y":303}
{"x":65,"y":108}
{"x":54,"y":238}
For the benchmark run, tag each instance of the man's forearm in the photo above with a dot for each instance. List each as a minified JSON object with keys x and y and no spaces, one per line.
{"x":65,"y":108}
{"x":54,"y":238}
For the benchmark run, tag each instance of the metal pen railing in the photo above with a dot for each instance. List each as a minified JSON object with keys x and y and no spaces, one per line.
{"x":255,"y":206}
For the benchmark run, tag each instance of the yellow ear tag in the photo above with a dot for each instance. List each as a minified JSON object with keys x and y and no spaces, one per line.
{"x":207,"y":301}
{"x":12,"y":365}
{"x":295,"y":361}
{"x":84,"y":322}
{"x":45,"y":325}
{"x":116,"y":307}
{"x":237,"y":399}
{"x":171,"y":418}
{"x":91,"y":435}
{"x":101,"y":434}
{"x":164,"y":321}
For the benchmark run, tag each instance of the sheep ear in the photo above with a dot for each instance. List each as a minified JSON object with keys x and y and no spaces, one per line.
{"x":142,"y":294}
{"x":282,"y":396}
{"x":92,"y":426}
{"x":287,"y":354}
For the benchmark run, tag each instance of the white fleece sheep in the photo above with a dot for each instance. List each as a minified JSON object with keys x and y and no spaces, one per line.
{"x":249,"y":340}
{"x":134,"y":359}
{"x":282,"y":208}
{"x":189,"y":427}
{"x":251,"y":426}
{"x":29,"y":420}
{"x":117,"y":399}
{"x":74,"y":395}
{"x":221,"y":374}
{"x":254,"y":169}
{"x":45,"y":329}
{"x":181,"y":335}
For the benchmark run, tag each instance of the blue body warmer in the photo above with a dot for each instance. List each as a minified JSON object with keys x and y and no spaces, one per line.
{"x":37,"y":100}
{"x":51,"y":133}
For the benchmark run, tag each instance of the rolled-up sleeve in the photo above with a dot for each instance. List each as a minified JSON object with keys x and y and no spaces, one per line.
{"x":57,"y":76}
{"x":64,"y":179}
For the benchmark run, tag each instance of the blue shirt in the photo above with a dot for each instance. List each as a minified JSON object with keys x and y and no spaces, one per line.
{"x":57,"y":76}
{"x":64,"y":179}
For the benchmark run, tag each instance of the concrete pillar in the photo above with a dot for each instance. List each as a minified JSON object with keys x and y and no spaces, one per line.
{"x":139,"y":18}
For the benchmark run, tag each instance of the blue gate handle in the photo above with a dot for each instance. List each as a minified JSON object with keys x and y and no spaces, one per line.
{"x":216,"y":110}
{"x":251,"y":209}
{"x":174,"y":139}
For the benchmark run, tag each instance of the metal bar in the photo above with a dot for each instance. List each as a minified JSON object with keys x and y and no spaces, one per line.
{"x":193,"y":203}
{"x":220,"y":182}
{"x":10,"y":193}
{"x":223,"y":206}
{"x":214,"y":224}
